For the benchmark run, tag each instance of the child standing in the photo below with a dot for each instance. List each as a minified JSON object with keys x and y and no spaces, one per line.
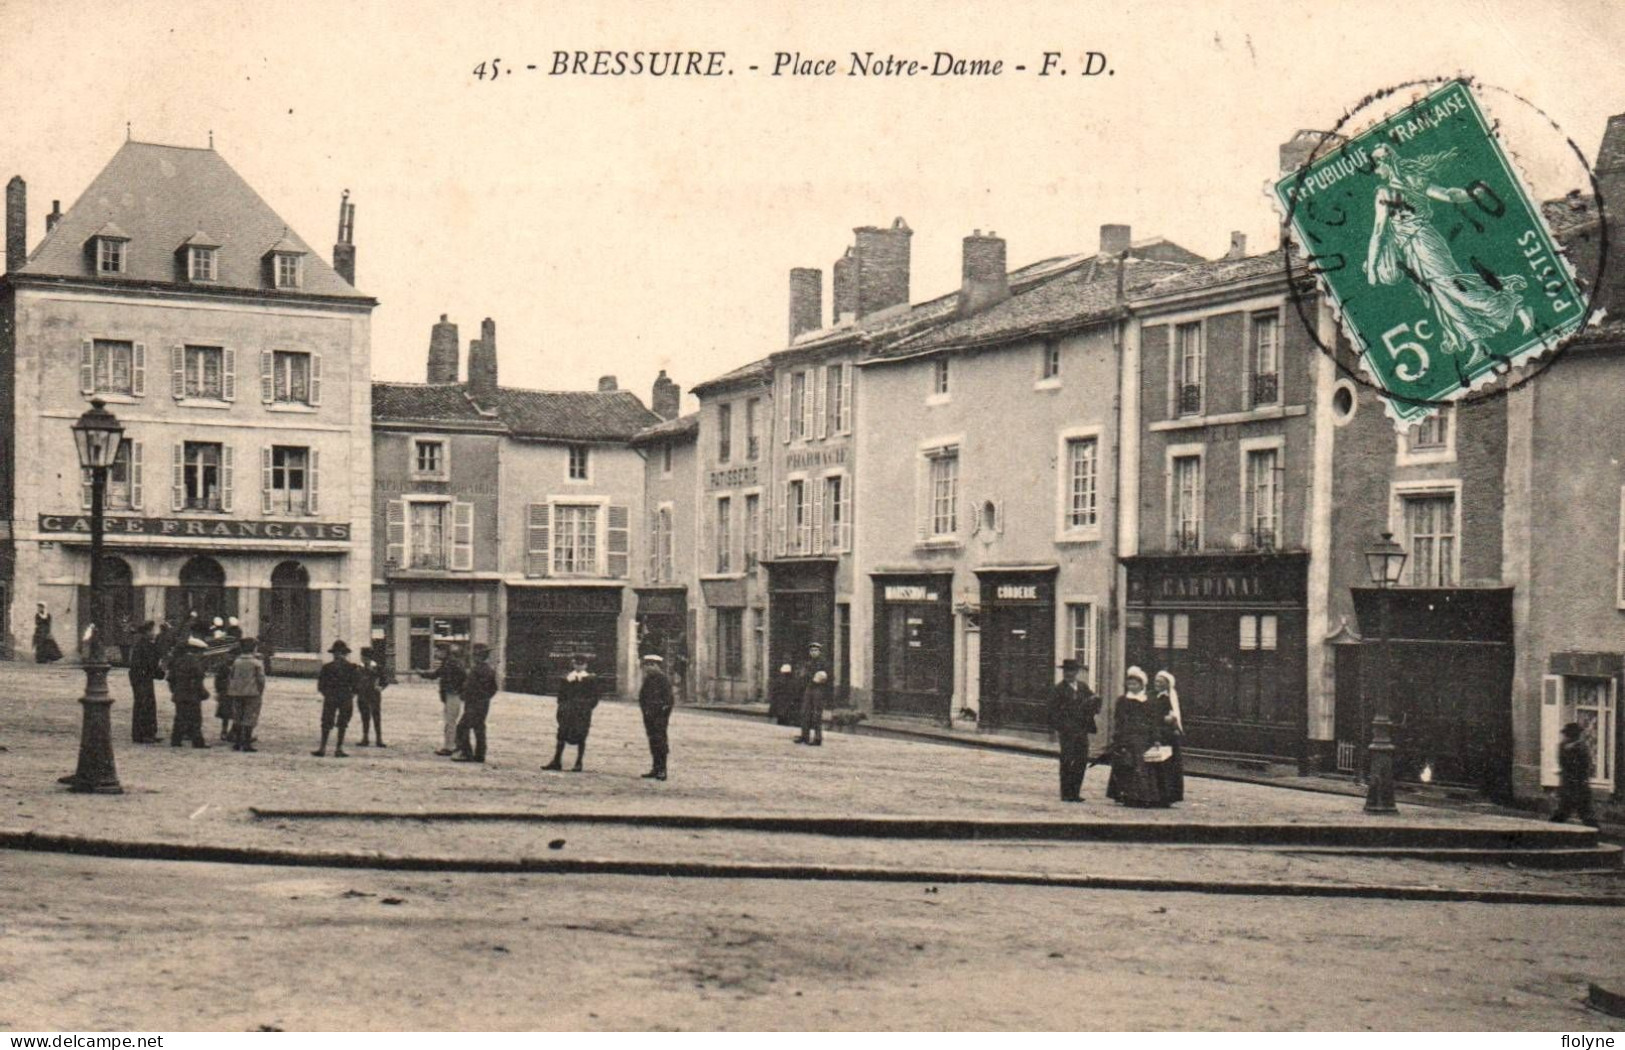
{"x":246,"y":686}
{"x":1574,"y":766}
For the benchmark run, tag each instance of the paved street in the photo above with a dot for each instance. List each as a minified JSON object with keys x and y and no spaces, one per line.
{"x":228,"y":947}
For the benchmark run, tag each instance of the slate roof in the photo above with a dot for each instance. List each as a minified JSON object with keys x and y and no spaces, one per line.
{"x":428,"y":403}
{"x":159,"y":197}
{"x":683,"y":428}
{"x":572,"y":415}
{"x":758,"y":369}
{"x":1219,"y":273}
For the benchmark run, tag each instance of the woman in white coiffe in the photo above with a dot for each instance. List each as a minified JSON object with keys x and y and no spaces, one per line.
{"x":1171,"y":771}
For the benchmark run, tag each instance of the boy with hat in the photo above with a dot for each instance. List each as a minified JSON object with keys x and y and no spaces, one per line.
{"x":479,"y":686}
{"x":337,"y":684}
{"x":369,"y":695}
{"x":245,"y":684}
{"x":655,"y":700}
{"x":1574,"y":768}
{"x":578,"y":695}
{"x":1072,"y":711}
{"x":814,"y":695}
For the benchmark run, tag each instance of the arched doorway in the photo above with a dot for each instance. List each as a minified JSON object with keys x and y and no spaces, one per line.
{"x":120,"y":612}
{"x":289,"y":611}
{"x":202,"y":591}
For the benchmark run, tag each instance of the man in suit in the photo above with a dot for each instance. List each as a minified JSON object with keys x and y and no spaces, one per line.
{"x":1072,"y":711}
{"x":814,"y":695}
{"x":187,"y":691}
{"x":450,"y":675}
{"x":479,"y":686}
{"x":654,"y":697}
{"x":337,"y":683}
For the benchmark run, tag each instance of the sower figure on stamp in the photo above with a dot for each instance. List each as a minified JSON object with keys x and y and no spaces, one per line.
{"x":1072,"y":710}
{"x":654,"y":697}
{"x":450,"y":675}
{"x":578,"y":695}
{"x":337,"y":684}
{"x":146,"y":667}
{"x":814,"y":695}
{"x":479,"y":686}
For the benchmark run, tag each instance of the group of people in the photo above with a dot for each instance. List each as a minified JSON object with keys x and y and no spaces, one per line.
{"x":346,"y":687}
{"x":799,"y":695}
{"x":1147,"y":764}
{"x":191,"y":659}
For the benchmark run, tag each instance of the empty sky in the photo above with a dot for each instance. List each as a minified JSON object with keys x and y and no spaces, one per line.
{"x":627,"y":225}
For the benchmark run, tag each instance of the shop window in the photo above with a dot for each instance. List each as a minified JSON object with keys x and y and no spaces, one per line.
{"x":1593,"y":703}
{"x":1259,"y":633}
{"x":1171,"y":631}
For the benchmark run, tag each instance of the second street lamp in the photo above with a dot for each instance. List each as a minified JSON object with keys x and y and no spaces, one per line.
{"x":98,"y":437}
{"x":1384,"y":561}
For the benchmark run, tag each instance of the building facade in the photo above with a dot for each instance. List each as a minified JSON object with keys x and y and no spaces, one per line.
{"x":667,"y":576}
{"x":238,"y":362}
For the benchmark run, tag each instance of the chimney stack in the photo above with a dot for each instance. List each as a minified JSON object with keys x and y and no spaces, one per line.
{"x":607,"y":384}
{"x":1115,"y":239}
{"x":16,"y":224}
{"x":1610,"y":175}
{"x":984,"y":278}
{"x":667,"y":399}
{"x":806,"y":301}
{"x":882,"y":259}
{"x":55,"y":217}
{"x":443,"y":348}
{"x":482,"y":362}
{"x":344,"y":248}
{"x":843,"y":288}
{"x":1238,"y":245}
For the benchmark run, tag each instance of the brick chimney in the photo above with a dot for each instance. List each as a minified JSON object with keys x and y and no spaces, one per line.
{"x":1611,"y":187}
{"x":482,"y":362}
{"x":607,"y":384}
{"x":1115,"y":239}
{"x":806,"y":301}
{"x":667,"y":399}
{"x":344,"y":247}
{"x":984,"y":278}
{"x":443,"y":348}
{"x":16,"y":224}
{"x":843,"y":287}
{"x":1238,"y":245}
{"x":882,"y":258}
{"x":55,"y":217}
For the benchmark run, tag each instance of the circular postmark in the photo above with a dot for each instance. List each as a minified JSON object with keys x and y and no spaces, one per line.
{"x":1414,"y":219}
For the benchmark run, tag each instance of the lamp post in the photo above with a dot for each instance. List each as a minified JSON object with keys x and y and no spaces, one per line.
{"x":1384,"y":561}
{"x":98,"y":437}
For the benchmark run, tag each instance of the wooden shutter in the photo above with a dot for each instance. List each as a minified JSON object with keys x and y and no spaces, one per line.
{"x":228,"y":374}
{"x":226,"y":478}
{"x":844,"y":540}
{"x":620,"y":542}
{"x":809,"y":404}
{"x":998,"y":516}
{"x":395,"y":533}
{"x":537,"y":535}
{"x":265,"y":480}
{"x":85,"y":488}
{"x":462,"y":537}
{"x":87,"y":367}
{"x":818,"y":514}
{"x":1551,"y":726}
{"x":137,"y":489}
{"x":785,"y":386}
{"x":654,"y":547}
{"x":138,"y":370}
{"x":177,"y":372}
{"x":267,"y":377}
{"x":784,"y":517}
{"x":845,"y":420}
{"x":922,"y":498}
{"x":1620,"y":568}
{"x":313,"y":483}
{"x":315,"y":379}
{"x":821,"y":410}
{"x":178,"y":493}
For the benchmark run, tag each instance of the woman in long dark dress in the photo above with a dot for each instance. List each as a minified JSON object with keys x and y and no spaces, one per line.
{"x":578,"y":695}
{"x":1171,"y":772}
{"x":46,"y":651}
{"x":146,"y":667}
{"x":1136,"y":722}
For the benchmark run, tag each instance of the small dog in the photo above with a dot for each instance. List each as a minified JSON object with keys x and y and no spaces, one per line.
{"x":845,"y":721}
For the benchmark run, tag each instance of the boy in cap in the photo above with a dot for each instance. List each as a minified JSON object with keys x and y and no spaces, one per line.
{"x":654,"y":698}
{"x":479,"y":687}
{"x":337,"y":684}
{"x":578,"y":695}
{"x":1574,"y":768}
{"x":814,"y":695}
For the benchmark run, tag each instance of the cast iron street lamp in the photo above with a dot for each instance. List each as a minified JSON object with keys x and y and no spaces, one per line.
{"x":1384,"y":561}
{"x":98,"y":437}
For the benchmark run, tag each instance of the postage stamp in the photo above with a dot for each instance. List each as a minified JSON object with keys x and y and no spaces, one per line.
{"x":1433,"y":253}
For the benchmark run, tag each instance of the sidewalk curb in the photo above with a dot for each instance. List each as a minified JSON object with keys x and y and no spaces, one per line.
{"x":82,"y":846}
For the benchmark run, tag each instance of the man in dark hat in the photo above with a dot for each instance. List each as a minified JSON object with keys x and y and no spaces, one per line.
{"x":654,"y":698}
{"x":187,"y":691}
{"x":479,"y":687}
{"x":578,"y":695}
{"x":337,"y":684}
{"x":1072,"y":711}
{"x":449,"y":675}
{"x":814,"y":695}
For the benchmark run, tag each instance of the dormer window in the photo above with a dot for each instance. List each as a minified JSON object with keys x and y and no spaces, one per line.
{"x":109,"y":255}
{"x":287,"y":270}
{"x":284,"y":263}
{"x":200,"y":264}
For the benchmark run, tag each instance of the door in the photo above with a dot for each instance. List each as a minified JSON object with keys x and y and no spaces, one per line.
{"x":1018,"y":647}
{"x":548,"y":626}
{"x":286,"y":610}
{"x":119,"y":617}
{"x":799,"y":619}
{"x":914,"y":659}
{"x":202,"y":591}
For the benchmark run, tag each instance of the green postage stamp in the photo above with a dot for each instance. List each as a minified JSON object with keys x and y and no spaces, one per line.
{"x":1432,"y":252}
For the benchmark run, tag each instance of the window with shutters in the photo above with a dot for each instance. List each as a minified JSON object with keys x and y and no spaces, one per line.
{"x":204,"y":372}
{"x":942,"y":513}
{"x":837,"y":511}
{"x":289,"y":481}
{"x":428,"y":533}
{"x":113,"y":367}
{"x":753,"y":531}
{"x":200,"y":264}
{"x":293,"y":378}
{"x":538,"y":539}
{"x":203,"y":476}
{"x":123,"y":480}
{"x":725,"y":433}
{"x":575,"y":539}
{"x":580,"y":463}
{"x":800,"y":407}
{"x":429,"y":460}
{"x":753,"y":439}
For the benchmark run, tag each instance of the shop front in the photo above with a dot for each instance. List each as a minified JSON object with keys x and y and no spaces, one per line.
{"x":548,"y":625}
{"x":419,"y":619}
{"x":914,"y":645}
{"x":801,"y":609}
{"x":1231,"y":629}
{"x":1018,"y":646}
{"x":662,"y":625}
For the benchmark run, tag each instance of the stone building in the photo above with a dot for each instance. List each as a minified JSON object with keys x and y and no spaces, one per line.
{"x":238,"y":361}
{"x":667,"y":575}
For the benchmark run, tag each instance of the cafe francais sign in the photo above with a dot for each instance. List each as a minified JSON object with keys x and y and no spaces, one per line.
{"x":193,"y":528}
